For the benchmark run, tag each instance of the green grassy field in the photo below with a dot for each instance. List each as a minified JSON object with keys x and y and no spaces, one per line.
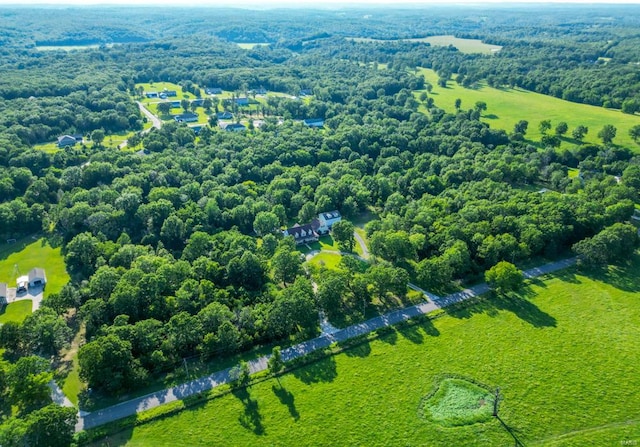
{"x":68,"y":47}
{"x":564,"y":356}
{"x":327,"y":260}
{"x":505,"y":107}
{"x":463,"y":45}
{"x":27,"y":253}
{"x":16,"y":311}
{"x":160,"y":86}
{"x":249,"y":46}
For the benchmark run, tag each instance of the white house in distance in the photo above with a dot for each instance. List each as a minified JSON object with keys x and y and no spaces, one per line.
{"x":327,"y":220}
{"x":37,"y":277}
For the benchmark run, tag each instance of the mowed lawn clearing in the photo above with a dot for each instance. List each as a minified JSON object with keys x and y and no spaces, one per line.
{"x":159,"y":87}
{"x":463,"y":45}
{"x":16,"y":311}
{"x":505,"y":107}
{"x":28,"y":253}
{"x":565,"y":359}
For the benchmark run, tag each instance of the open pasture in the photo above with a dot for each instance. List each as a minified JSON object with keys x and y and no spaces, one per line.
{"x":505,"y":107}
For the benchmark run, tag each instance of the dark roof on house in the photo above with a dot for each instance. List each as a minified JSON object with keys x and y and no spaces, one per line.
{"x":331,"y":215}
{"x":213,"y":91}
{"x":242,"y":100}
{"x":302,"y":231}
{"x":198,"y":101}
{"x":36,"y":272}
{"x":186,"y":117}
{"x":65,"y":138}
{"x":224,"y":115}
{"x":170,"y":93}
{"x":235,"y":126}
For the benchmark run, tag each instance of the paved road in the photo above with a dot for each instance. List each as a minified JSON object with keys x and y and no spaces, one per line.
{"x":363,"y":246}
{"x":128,"y":408}
{"x":154,"y":119}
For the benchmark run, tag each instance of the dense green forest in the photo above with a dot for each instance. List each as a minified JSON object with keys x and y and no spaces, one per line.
{"x":175,"y":250}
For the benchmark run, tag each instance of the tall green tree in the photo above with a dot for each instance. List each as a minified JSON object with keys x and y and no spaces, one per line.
{"x":343,"y":234}
{"x":504,"y":277}
{"x":634,"y":133}
{"x":607,"y":133}
{"x":286,"y":265}
{"x":27,"y":381}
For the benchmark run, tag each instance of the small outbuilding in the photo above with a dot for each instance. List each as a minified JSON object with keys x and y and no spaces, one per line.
{"x":37,"y":277}
{"x":315,"y":122}
{"x":66,"y":140}
{"x":233,"y":127}
{"x":3,"y":293}
{"x":186,"y":117}
{"x":22,"y":284}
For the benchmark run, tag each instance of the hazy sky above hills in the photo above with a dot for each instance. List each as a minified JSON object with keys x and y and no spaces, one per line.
{"x":289,"y":3}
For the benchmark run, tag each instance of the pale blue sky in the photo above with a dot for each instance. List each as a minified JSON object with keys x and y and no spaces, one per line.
{"x":291,"y":3}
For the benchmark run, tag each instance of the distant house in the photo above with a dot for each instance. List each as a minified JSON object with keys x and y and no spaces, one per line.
{"x":68,"y":140}
{"x":233,"y":127}
{"x":303,"y":234}
{"x":170,"y":93}
{"x":196,"y":128}
{"x":3,"y":293}
{"x":213,"y":91}
{"x":327,"y":220}
{"x":162,"y":96}
{"x":37,"y":277}
{"x":197,"y":102}
{"x":151,"y":94}
{"x":187,"y":117}
{"x":242,"y":101}
{"x":260,"y":91}
{"x":306,"y":92}
{"x":175,"y":104}
{"x":315,"y":122}
{"x":224,"y":115}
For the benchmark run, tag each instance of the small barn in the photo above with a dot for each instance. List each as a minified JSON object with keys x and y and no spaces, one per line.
{"x":37,"y":277}
{"x":22,"y":284}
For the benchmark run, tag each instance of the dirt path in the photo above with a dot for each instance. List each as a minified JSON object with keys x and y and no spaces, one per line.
{"x":133,"y":406}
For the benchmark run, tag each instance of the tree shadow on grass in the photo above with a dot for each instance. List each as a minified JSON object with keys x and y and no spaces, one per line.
{"x":323,"y":370}
{"x":286,"y":398}
{"x":390,"y":337}
{"x":492,"y":303}
{"x":361,"y":350}
{"x":118,"y":439}
{"x":566,"y":275}
{"x":251,"y":419}
{"x":623,"y":277}
{"x":413,"y":333}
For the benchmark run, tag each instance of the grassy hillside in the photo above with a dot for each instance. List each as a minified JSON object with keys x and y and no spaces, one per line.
{"x":505,"y":107}
{"x":563,"y":356}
